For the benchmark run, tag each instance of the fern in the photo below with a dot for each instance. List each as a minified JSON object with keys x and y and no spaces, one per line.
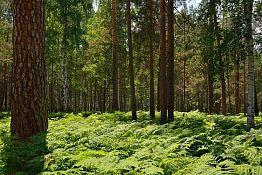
{"x":195,"y":143}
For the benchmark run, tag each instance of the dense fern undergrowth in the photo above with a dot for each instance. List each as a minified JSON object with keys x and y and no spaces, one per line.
{"x":194,"y":143}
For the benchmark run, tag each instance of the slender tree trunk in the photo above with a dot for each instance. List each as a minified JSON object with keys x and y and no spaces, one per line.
{"x":210,"y":87}
{"x":29,"y":107}
{"x":184,"y":68}
{"x":256,"y":103}
{"x":85,"y":94}
{"x":248,"y":8}
{"x":104,"y":95}
{"x":5,"y":87}
{"x":1,"y":90}
{"x":10,"y":86}
{"x":244,"y":89}
{"x":221,"y":68}
{"x":91,"y":97}
{"x":158,"y":89}
{"x":229,"y":93}
{"x":64,"y":94}
{"x":52,"y":89}
{"x":237,"y":79}
{"x":131,"y":65}
{"x":115,"y":104}
{"x":56,"y":91}
{"x":121,"y":86}
{"x":163,"y":63}
{"x":151,"y":59}
{"x":210,"y":71}
{"x":170,"y":61}
{"x":223,"y":88}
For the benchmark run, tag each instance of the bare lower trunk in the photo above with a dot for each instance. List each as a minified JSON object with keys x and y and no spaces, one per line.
{"x":29,"y":107}
{"x":170,"y":61}
{"x":237,"y":78}
{"x":210,"y":88}
{"x":223,"y":89}
{"x":115,"y":78}
{"x":151,"y":59}
{"x":244,"y":89}
{"x":163,"y":63}
{"x":64,"y":94}
{"x":130,"y":65}
{"x":248,"y":7}
{"x":1,"y":90}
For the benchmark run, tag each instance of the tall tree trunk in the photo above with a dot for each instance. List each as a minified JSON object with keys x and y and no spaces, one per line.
{"x":158,"y":89}
{"x":85,"y":94}
{"x":210,"y":69}
{"x":29,"y":107}
{"x":5,"y":92}
{"x":131,"y":65}
{"x":223,"y":87}
{"x":221,"y":68}
{"x":184,"y":68}
{"x":244,"y":89}
{"x":1,"y":89}
{"x":248,"y":8}
{"x":51,"y":90}
{"x":104,"y":95}
{"x":56,"y":92}
{"x":229,"y":93}
{"x":151,"y":59}
{"x":64,"y":94}
{"x":210,"y":87}
{"x":115,"y":78}
{"x":170,"y":61}
{"x":256,"y":103}
{"x":237,"y":79}
{"x":163,"y":63}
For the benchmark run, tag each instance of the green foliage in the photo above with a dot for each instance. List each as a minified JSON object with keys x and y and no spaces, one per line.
{"x":110,"y":143}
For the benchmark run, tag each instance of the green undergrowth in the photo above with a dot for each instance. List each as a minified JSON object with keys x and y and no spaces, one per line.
{"x":195,"y":143}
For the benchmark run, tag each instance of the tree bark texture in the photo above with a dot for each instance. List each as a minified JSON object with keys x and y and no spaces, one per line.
{"x":115,"y":78}
{"x":130,"y":63}
{"x":248,"y":8}
{"x":163,"y":63}
{"x":29,"y":107}
{"x":170,"y":61}
{"x":151,"y":60}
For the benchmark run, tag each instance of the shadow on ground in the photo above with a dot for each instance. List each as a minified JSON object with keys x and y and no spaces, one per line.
{"x":23,"y":157}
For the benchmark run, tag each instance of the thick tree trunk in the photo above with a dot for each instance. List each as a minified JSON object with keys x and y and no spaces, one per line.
{"x":115,"y":78}
{"x":29,"y":108}
{"x":170,"y":61}
{"x":248,"y":7}
{"x":131,"y":65}
{"x":163,"y":63}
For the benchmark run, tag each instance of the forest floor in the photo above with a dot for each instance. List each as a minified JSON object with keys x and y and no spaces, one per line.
{"x":113,"y":144}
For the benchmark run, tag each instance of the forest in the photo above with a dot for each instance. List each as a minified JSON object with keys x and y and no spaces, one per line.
{"x":130,"y":87}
